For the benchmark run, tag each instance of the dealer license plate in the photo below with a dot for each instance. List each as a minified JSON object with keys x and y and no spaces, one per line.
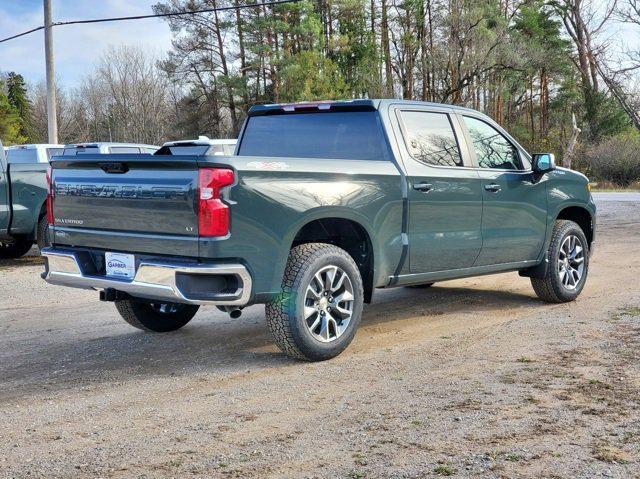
{"x":120,"y":265}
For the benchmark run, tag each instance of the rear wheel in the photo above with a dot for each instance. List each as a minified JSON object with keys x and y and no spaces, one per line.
{"x":319,"y":310}
{"x":15,"y":249}
{"x":43,"y":233}
{"x":568,"y":266}
{"x":155,"y":316}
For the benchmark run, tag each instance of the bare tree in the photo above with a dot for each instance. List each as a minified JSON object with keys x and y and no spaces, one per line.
{"x":127,"y":97}
{"x":584,"y":20}
{"x":72,"y":124}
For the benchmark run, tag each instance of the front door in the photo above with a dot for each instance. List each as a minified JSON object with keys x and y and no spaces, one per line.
{"x":514,"y":218}
{"x":445,"y":196}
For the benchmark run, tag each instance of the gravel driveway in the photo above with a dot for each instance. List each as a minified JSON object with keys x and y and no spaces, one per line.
{"x":471,"y":378}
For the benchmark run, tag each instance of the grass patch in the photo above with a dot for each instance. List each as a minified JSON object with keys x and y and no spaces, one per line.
{"x":631,"y":311}
{"x":611,"y":454}
{"x":443,"y":470}
{"x":599,"y":384}
{"x":525,"y":360}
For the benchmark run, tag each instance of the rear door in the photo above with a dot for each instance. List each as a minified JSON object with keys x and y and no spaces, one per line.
{"x":515,"y":201}
{"x":445,"y":197}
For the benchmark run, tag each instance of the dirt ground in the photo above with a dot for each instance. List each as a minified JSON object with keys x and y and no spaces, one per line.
{"x":472,"y":378}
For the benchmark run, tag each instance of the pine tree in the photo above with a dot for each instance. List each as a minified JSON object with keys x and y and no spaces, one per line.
{"x":19,"y":100}
{"x":9,"y":121}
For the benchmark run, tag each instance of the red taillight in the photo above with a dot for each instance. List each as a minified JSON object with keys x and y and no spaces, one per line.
{"x":213,"y":214}
{"x":49,"y":197}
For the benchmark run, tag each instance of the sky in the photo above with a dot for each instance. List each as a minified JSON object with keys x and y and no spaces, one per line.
{"x":76,"y":47}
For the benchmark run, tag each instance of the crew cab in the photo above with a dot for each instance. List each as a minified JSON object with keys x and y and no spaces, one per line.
{"x":321,"y":204}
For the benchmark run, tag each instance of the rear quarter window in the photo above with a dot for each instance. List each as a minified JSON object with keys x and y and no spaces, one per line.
{"x":331,"y":135}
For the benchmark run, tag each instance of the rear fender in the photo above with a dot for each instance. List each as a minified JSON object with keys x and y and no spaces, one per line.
{"x":316,"y":214}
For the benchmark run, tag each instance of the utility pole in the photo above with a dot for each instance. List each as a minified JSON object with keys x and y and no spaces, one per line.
{"x":52,"y":120}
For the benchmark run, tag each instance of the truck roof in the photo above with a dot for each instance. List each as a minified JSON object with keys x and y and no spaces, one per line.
{"x":341,"y":105}
{"x":34,"y":146}
{"x":98,"y":144}
{"x":202,"y":140}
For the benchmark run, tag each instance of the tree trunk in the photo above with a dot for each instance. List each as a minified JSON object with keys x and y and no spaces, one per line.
{"x":243,"y":58}
{"x":386,"y":51}
{"x":568,"y":155}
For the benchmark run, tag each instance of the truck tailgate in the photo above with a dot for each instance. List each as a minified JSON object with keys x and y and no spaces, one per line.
{"x":129,"y":203}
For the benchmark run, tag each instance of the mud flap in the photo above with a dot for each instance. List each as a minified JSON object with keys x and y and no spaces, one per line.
{"x":538,"y":271}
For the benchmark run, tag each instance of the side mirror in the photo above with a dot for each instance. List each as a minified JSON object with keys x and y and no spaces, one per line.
{"x":543,"y":162}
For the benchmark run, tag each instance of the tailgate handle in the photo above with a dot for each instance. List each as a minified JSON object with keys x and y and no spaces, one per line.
{"x":117,"y":168}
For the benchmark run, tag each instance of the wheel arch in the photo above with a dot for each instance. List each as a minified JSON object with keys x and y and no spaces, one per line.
{"x":346,"y":233}
{"x":580,"y":215}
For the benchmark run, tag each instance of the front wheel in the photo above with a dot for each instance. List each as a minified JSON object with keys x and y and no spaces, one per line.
{"x":15,"y":249}
{"x":318,"y":312}
{"x":568,"y":265}
{"x":155,"y":316}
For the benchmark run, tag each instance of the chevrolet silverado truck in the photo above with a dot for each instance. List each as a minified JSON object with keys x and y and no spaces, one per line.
{"x":321,"y":204}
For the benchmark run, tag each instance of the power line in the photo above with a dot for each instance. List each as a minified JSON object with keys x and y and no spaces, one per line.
{"x":155,"y":15}
{"x":22,"y":34}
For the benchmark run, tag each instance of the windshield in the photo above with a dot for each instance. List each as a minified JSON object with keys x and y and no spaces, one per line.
{"x":355,"y":135}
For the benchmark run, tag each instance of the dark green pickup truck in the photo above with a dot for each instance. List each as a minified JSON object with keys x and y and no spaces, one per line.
{"x":23,"y":190}
{"x":323,"y":203}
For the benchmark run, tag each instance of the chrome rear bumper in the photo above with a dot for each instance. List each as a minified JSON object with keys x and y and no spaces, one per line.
{"x":153,"y":279}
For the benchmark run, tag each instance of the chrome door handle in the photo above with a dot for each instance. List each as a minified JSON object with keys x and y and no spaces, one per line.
{"x":423,"y":187}
{"x":492,"y":187}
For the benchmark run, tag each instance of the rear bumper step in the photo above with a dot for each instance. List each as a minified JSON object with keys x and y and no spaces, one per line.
{"x":217,"y":284}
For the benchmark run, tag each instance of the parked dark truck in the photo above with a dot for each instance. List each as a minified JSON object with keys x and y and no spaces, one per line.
{"x":23,"y":190}
{"x":323,"y":203}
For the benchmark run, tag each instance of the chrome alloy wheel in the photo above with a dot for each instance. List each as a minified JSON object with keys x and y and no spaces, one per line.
{"x":328,"y":304}
{"x":571,"y":262}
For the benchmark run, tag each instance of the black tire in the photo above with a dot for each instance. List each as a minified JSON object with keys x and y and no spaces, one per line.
{"x":42,"y":235}
{"x":551,"y":288}
{"x":16,"y":249}
{"x":420,"y":286}
{"x":285,"y":315}
{"x":155,"y":317}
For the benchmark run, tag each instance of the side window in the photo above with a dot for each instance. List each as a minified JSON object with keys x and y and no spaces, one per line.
{"x":492,"y":149}
{"x":430,"y":138}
